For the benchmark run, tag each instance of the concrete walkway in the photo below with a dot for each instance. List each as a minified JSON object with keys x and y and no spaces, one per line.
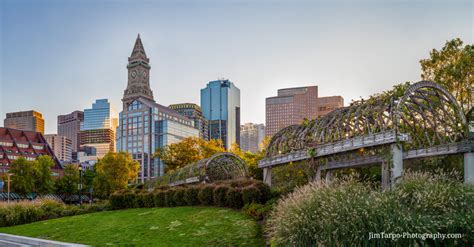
{"x":8,"y":240}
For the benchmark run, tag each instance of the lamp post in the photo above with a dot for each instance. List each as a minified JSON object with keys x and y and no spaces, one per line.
{"x":80,"y":184}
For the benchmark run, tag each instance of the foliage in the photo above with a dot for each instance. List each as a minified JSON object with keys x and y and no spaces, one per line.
{"x":205,"y":195}
{"x":159,"y":198}
{"x":30,"y":211}
{"x":113,"y":172}
{"x":234,"y":193}
{"x":44,"y":183}
{"x":288,"y":177}
{"x":191,"y":195}
{"x":346,"y":211}
{"x":219,"y":195}
{"x":234,"y":198}
{"x":252,"y":159}
{"x":22,"y":178}
{"x":68,"y":183}
{"x":251,"y":194}
{"x":187,"y":151}
{"x":256,"y":210}
{"x":452,"y":67}
{"x":182,"y":226}
{"x":178,"y":197}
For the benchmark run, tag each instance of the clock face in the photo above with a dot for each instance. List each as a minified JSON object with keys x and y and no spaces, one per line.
{"x":144,"y":74}
{"x":134,"y":74}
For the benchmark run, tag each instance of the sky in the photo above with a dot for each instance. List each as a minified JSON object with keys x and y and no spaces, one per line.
{"x":59,"y":56}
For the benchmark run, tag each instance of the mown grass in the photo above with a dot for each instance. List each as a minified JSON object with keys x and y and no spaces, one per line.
{"x":179,"y":226}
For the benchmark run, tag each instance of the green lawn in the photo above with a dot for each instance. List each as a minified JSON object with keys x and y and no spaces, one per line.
{"x":180,"y":226}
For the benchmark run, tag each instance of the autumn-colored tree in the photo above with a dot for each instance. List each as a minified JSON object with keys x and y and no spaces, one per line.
{"x":452,"y":67}
{"x":113,"y":172}
{"x":252,"y":159}
{"x":187,"y":151}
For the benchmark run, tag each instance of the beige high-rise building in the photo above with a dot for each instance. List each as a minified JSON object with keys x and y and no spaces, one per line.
{"x":61,"y":146}
{"x":69,"y":125}
{"x":293,"y":105}
{"x":251,"y":137}
{"x":25,"y":120}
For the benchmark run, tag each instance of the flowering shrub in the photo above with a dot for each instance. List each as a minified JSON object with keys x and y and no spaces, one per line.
{"x":347,"y":212}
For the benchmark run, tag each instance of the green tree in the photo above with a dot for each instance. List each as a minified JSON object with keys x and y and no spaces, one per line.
{"x":187,"y":151}
{"x":452,"y":67}
{"x":68,"y":183}
{"x":114,"y":172}
{"x":22,"y":179}
{"x":44,"y":183}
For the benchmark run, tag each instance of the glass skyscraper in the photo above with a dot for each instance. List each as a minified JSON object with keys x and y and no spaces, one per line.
{"x":220,"y":103}
{"x":98,"y":128}
{"x":145,"y":125}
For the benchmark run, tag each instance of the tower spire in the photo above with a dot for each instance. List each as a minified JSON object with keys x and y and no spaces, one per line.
{"x":138,"y":75}
{"x":138,"y":50}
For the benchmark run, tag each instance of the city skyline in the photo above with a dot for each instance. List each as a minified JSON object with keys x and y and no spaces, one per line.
{"x":79,"y":51}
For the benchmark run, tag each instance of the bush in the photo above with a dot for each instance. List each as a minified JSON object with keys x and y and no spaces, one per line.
{"x":159,"y":198}
{"x":169,"y":198}
{"x":265,"y":192}
{"x":129,"y":200}
{"x":219,"y":195}
{"x":191,"y":196}
{"x":178,"y":197}
{"x":17,"y":213}
{"x":205,"y":194}
{"x":256,"y":210}
{"x":234,"y":198}
{"x":346,"y":211}
{"x":251,"y":194}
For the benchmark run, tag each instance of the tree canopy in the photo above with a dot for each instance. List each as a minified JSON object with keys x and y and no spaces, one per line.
{"x":187,"y":151}
{"x":32,"y":175}
{"x":113,"y":172}
{"x":452,"y":67}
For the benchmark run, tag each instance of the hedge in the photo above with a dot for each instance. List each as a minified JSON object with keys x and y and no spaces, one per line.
{"x":233,"y":193}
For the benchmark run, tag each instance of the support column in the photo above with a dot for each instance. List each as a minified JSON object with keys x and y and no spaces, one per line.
{"x":397,"y":164}
{"x":267,"y":176}
{"x":317,"y":177}
{"x":385,"y":175}
{"x":328,"y":176}
{"x":469,"y":168}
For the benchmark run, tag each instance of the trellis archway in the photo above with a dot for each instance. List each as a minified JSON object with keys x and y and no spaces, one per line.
{"x":221,"y":166}
{"x":410,"y":121}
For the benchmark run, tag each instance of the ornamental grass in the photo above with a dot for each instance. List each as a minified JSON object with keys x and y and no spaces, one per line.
{"x":348,"y":212}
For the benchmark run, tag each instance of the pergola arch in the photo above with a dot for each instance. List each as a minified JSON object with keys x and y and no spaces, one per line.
{"x":221,"y":166}
{"x":418,"y":117}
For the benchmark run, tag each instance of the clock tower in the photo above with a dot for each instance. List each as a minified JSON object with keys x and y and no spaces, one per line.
{"x":138,"y":75}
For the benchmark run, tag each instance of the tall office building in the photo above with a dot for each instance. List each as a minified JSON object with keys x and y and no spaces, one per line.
{"x":69,"y":125}
{"x":145,"y":125}
{"x":293,"y":105}
{"x":98,"y":128}
{"x":25,"y":120}
{"x":16,"y":143}
{"x":61,"y":146}
{"x":193,"y":112}
{"x":220,"y":103}
{"x":251,"y":137}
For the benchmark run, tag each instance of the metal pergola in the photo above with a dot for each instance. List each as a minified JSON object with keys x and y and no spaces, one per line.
{"x":409,"y":122}
{"x":221,"y":166}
